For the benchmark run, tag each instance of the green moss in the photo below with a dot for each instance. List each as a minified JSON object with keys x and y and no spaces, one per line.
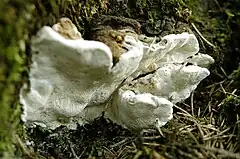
{"x":141,"y":3}
{"x":230,"y":109}
{"x":13,"y":28}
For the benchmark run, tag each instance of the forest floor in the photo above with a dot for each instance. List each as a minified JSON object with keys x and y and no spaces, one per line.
{"x":207,"y":125}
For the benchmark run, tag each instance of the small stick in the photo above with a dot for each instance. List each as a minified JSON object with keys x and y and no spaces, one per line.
{"x":204,"y":39}
{"x":73,"y":152}
{"x":22,"y":146}
{"x":192,"y":103}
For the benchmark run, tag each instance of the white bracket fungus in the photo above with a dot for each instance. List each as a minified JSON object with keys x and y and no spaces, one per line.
{"x":73,"y":80}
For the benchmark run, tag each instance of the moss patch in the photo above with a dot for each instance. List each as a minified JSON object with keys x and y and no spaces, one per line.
{"x":14,"y":19}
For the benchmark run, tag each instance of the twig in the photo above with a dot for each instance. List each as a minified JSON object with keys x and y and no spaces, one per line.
{"x":204,"y":39}
{"x":232,"y":94}
{"x":152,"y":137}
{"x":192,"y":94}
{"x":224,"y":91}
{"x":151,"y":144}
{"x":219,"y":137}
{"x":158,"y":128}
{"x":108,"y":150}
{"x":160,"y":132}
{"x":218,"y":5}
{"x":222,"y":152}
{"x":21,"y":144}
{"x":151,"y":45}
{"x":182,"y":110}
{"x":199,"y":112}
{"x":224,"y":73}
{"x":73,"y":152}
{"x":119,"y":143}
{"x":200,"y":130}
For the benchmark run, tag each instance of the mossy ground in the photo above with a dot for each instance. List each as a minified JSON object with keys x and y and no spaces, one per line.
{"x":205,"y":126}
